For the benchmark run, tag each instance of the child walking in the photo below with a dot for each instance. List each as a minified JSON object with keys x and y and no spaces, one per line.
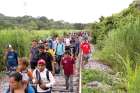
{"x":68,"y":65}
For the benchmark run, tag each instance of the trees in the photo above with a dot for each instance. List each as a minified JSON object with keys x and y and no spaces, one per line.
{"x":107,"y":24}
{"x":32,"y":23}
{"x":79,"y":26}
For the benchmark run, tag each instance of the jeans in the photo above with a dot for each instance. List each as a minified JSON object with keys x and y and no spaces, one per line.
{"x":69,"y":82}
{"x":58,"y":59}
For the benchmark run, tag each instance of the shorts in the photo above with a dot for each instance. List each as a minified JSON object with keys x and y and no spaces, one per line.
{"x":86,"y":57}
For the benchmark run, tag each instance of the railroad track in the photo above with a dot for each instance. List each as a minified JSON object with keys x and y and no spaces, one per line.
{"x":59,"y":86}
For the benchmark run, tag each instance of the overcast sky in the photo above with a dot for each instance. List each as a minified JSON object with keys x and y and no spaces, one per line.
{"x":68,"y":10}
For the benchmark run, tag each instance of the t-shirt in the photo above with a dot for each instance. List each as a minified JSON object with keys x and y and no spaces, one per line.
{"x":67,"y":63}
{"x":42,"y":75}
{"x":12,"y":58}
{"x":34,"y":52}
{"x":60,"y":49}
{"x":67,"y":41}
{"x":85,"y":48}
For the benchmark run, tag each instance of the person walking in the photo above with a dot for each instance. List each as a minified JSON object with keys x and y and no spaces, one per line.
{"x":43,"y":78}
{"x":59,"y":51}
{"x":68,"y":65}
{"x":11,"y":58}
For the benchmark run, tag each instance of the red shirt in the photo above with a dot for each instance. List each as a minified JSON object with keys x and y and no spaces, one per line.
{"x":67,"y":63}
{"x":85,"y":48}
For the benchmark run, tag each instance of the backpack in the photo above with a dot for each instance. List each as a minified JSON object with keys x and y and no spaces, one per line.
{"x":57,"y":46}
{"x":38,"y":75}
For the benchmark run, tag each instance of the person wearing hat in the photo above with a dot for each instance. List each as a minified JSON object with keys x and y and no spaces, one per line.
{"x":43,"y":78}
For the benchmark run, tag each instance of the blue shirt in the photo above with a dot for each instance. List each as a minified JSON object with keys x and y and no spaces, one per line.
{"x":29,"y":89}
{"x":12,"y":58}
{"x":60,"y":49}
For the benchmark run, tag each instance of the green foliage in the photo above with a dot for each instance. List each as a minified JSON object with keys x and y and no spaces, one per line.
{"x":107,"y":24}
{"x":93,"y":75}
{"x":118,"y":85}
{"x":21,"y":40}
{"x":124,"y":42}
{"x":134,"y":81}
{"x":132,"y":76}
{"x":118,"y":41}
{"x":79,"y":26}
{"x":39,"y":23}
{"x":90,"y":90}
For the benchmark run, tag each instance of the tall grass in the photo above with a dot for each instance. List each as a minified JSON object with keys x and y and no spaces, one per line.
{"x":132,"y":76}
{"x":124,"y":41}
{"x":21,"y":40}
{"x":122,"y":52}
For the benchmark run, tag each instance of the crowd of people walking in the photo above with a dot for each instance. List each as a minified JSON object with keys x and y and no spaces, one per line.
{"x":47,"y":58}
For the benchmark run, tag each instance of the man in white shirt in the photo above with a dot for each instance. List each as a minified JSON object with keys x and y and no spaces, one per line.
{"x":67,"y":43}
{"x":43,"y":78}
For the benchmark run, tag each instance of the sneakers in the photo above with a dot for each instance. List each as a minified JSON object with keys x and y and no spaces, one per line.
{"x":67,"y":88}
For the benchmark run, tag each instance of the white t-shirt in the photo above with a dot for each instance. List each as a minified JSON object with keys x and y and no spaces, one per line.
{"x":67,"y":41}
{"x":44,"y":79}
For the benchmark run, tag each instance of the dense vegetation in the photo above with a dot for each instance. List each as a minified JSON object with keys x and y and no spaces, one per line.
{"x":38,"y":23}
{"x":118,"y":36}
{"x":117,"y":40}
{"x":21,"y":40}
{"x":107,"y":24}
{"x":20,"y":31}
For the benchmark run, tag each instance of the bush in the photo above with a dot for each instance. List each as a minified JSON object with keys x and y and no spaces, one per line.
{"x":94,"y":75}
{"x":123,"y":41}
{"x":122,"y":51}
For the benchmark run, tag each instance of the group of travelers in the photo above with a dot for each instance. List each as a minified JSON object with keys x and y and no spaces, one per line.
{"x":47,"y":58}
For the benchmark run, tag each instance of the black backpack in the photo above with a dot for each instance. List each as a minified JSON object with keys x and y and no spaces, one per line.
{"x":38,"y":75}
{"x":39,"y":78}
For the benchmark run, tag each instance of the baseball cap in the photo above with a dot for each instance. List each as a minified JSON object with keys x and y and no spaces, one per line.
{"x":41,"y":61}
